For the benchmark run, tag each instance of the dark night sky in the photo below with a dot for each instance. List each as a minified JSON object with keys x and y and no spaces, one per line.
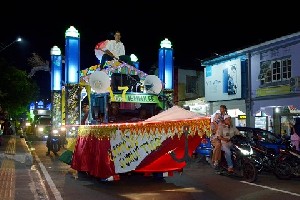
{"x":197,"y":29}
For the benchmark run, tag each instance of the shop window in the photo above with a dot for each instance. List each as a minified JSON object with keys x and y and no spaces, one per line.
{"x":191,"y":84}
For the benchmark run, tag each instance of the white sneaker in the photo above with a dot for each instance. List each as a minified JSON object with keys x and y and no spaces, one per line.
{"x":216,"y":163}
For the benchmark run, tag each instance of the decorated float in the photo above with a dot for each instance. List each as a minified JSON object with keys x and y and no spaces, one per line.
{"x":158,"y":145}
{"x":133,"y":124}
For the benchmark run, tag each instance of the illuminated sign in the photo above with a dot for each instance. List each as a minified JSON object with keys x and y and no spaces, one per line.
{"x":135,"y":98}
{"x":242,"y":116}
{"x":223,"y":81}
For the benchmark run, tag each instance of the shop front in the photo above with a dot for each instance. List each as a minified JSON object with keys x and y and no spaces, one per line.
{"x":276,"y":114}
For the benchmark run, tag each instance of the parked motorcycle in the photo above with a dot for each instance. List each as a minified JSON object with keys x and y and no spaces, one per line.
{"x":204,"y":150}
{"x":264,"y":158}
{"x":287,"y":164}
{"x":243,"y":163}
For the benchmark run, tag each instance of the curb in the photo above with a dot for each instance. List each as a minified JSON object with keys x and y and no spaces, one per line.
{"x":20,"y":153}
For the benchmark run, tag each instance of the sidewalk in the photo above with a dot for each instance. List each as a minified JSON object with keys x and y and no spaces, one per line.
{"x":15,"y":169}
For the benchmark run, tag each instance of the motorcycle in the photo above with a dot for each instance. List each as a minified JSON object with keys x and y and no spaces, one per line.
{"x":264,"y":158}
{"x":243,"y":163}
{"x":287,"y":164}
{"x":54,"y":142}
{"x":204,"y":150}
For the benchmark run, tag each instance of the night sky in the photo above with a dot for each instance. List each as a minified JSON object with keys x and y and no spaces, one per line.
{"x":197,"y":29}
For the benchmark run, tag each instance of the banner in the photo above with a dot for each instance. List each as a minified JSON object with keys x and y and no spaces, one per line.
{"x":129,"y":150}
{"x":135,"y":98}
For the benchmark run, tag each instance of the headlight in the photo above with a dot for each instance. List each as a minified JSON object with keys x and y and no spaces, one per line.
{"x":55,"y":131}
{"x":41,"y":129}
{"x":246,"y":152}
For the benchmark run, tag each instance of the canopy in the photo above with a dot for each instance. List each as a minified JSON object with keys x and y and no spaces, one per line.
{"x":174,"y":113}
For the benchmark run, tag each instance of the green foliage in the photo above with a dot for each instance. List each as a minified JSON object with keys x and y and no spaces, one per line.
{"x":16,"y":89}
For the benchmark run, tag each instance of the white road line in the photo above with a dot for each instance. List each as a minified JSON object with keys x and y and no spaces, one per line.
{"x":51,"y":184}
{"x":270,"y":188}
{"x":38,"y":189}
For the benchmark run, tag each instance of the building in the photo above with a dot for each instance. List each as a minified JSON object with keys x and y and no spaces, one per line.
{"x":225,"y":83}
{"x":268,"y":75}
{"x":189,"y":87}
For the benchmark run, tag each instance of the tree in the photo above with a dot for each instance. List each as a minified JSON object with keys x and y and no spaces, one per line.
{"x":17,"y":90}
{"x":37,"y":64}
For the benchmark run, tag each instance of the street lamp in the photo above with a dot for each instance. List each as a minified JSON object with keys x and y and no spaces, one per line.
{"x":17,"y":40}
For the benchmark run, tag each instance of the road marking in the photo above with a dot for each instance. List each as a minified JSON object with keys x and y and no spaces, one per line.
{"x":270,"y":188}
{"x":38,"y":188}
{"x":50,"y":182}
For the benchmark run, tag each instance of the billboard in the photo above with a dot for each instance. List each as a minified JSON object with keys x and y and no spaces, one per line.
{"x":223,"y":81}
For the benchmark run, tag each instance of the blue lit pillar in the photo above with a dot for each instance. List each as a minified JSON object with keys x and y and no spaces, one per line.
{"x":72,"y":87}
{"x":56,"y":75}
{"x":165,"y":64}
{"x":166,"y":71}
{"x":72,"y":60}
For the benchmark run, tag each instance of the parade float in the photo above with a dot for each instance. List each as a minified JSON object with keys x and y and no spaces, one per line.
{"x":159,"y":146}
{"x":134,"y":126}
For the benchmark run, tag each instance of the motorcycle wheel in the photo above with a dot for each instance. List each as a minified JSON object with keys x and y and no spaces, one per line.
{"x":283,"y":170}
{"x":249,"y":172}
{"x":55,"y":147}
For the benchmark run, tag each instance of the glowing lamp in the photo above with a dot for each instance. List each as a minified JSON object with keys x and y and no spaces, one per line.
{"x":72,"y":32}
{"x":133,"y":58}
{"x":165,"y":43}
{"x":55,"y":51}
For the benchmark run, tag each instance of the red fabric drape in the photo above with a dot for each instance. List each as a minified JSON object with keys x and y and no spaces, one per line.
{"x":92,"y":155}
{"x":161,"y":161}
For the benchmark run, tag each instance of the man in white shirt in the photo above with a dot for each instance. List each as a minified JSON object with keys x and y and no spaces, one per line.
{"x":115,"y":49}
{"x":225,"y":132}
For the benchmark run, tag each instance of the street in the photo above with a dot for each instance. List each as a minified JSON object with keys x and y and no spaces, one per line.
{"x":198,"y":181}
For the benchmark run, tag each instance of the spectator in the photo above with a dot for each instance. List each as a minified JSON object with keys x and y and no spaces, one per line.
{"x":225,"y":133}
{"x":295,"y":139}
{"x":218,"y":120}
{"x":85,"y":114}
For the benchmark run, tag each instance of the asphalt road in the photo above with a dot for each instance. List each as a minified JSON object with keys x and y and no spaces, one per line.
{"x":198,"y":181}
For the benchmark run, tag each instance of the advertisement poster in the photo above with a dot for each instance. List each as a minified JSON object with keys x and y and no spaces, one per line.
{"x":223,"y":81}
{"x":261,"y":122}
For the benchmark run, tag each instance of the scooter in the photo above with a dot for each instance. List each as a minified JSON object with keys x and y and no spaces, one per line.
{"x":243,"y":164}
{"x":204,"y":150}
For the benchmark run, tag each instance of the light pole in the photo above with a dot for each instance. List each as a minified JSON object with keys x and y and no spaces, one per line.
{"x":17,"y":40}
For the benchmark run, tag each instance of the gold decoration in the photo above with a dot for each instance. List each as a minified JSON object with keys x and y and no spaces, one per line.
{"x":198,"y":126}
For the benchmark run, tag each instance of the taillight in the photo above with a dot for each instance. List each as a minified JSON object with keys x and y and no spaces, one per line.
{"x":204,"y":141}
